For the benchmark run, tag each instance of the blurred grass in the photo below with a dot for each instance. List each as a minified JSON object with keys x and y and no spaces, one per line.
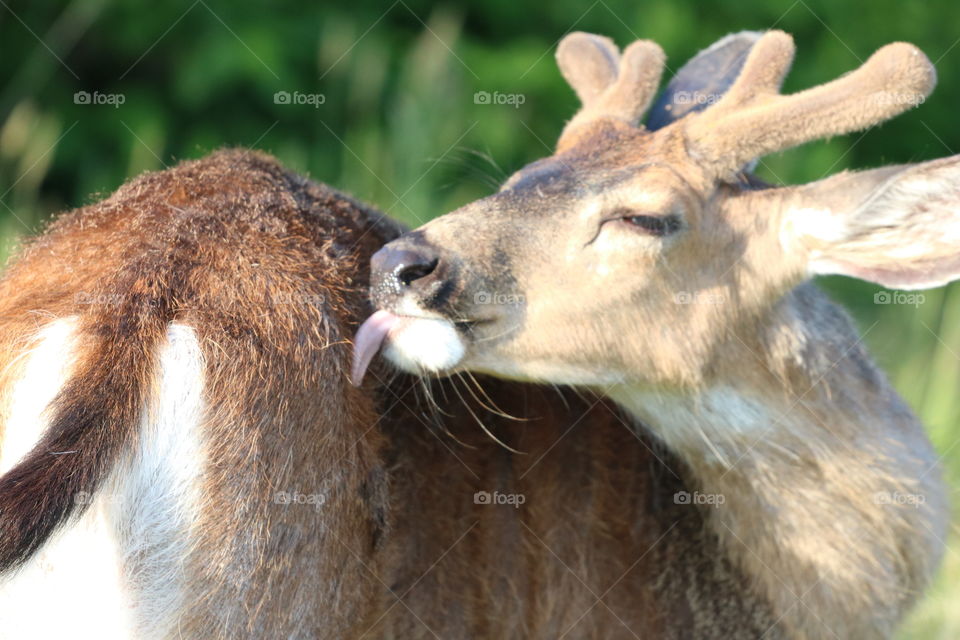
{"x":399,"y":126}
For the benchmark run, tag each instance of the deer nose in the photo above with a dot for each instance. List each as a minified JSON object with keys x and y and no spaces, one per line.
{"x":400,"y":269}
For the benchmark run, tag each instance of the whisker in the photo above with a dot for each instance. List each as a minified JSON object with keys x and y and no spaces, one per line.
{"x":500,"y":335}
{"x":492,"y":406}
{"x":436,"y":412}
{"x":563,"y":397}
{"x":458,"y":158}
{"x":432,"y":402}
{"x":480,"y":422}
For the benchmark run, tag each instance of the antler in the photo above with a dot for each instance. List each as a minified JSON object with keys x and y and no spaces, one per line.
{"x":753,"y":119}
{"x":609,"y":85}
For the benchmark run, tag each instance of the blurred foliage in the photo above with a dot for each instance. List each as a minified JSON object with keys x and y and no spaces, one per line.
{"x":399,"y":127}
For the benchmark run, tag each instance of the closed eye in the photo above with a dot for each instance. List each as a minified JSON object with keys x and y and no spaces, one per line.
{"x":658,"y":226}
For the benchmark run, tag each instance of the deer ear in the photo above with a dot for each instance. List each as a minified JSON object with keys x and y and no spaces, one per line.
{"x":703,"y":80}
{"x":896,"y":226}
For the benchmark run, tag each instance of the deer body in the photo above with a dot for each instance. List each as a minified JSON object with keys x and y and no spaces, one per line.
{"x":175,"y":357}
{"x":652,"y":269}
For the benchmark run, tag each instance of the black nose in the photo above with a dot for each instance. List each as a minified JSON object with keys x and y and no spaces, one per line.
{"x":402,"y":268}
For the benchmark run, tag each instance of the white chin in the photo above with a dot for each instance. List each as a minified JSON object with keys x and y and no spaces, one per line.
{"x":421,"y":345}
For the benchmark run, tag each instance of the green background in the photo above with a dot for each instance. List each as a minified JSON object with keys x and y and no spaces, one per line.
{"x":399,"y":127}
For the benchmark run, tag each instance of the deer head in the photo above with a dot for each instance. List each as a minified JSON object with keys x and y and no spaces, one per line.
{"x":634,"y":255}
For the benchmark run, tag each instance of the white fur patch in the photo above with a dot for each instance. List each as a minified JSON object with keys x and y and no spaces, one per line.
{"x":716,"y":420}
{"x":116,"y":572}
{"x":47,"y":365}
{"x":160,"y":490}
{"x":424,"y":344}
{"x":72,"y":586}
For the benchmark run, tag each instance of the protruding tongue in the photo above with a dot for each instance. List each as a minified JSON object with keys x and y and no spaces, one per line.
{"x":370,"y":337}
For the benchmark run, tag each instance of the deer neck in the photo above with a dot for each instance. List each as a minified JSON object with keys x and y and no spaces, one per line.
{"x":794,"y":384}
{"x":817,"y":479}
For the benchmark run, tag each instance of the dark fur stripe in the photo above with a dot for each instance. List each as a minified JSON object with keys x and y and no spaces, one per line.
{"x":93,"y":418}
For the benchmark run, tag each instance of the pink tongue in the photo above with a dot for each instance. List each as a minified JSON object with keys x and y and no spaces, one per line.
{"x":370,"y":337}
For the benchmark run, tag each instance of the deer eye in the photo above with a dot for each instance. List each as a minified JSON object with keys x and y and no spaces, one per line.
{"x":654,"y":225}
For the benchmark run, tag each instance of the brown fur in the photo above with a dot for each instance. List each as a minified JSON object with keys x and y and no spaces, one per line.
{"x":265,"y":266}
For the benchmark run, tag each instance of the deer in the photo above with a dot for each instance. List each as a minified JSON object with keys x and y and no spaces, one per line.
{"x":182,"y":454}
{"x":648,"y":266}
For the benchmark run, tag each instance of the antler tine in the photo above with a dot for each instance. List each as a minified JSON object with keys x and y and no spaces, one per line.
{"x":640,"y":69}
{"x":763,"y":71}
{"x":609,"y":85}
{"x":753,"y":119}
{"x":588,"y":63}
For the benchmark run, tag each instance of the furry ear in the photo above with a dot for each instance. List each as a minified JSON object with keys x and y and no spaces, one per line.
{"x":896,"y":226}
{"x":703,"y":79}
